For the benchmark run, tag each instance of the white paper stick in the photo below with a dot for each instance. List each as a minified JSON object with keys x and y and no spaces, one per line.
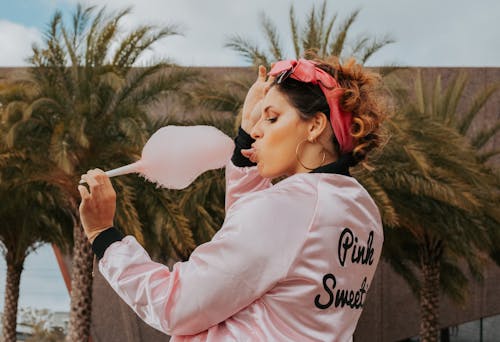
{"x":130,"y":168}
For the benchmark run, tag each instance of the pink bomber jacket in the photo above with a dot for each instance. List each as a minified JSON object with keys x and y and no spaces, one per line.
{"x":292,"y":262}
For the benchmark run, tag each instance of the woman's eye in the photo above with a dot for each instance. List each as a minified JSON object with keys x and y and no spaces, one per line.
{"x":271,"y":120}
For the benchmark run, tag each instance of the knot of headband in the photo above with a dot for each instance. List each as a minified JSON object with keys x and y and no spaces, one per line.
{"x":306,"y":71}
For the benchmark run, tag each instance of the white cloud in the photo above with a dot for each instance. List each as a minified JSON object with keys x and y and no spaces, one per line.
{"x":16,"y":41}
{"x":207,"y":25}
{"x":427,"y":33}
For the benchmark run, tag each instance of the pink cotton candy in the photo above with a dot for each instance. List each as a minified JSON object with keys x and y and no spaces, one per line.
{"x":176,"y":155}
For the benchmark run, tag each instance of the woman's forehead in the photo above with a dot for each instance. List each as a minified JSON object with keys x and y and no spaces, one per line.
{"x":276,"y":98}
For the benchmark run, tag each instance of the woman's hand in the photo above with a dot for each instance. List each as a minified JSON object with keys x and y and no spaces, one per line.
{"x":252,"y":107}
{"x":98,"y":206}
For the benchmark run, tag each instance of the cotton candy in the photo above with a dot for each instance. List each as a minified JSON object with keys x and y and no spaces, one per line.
{"x":175,"y":156}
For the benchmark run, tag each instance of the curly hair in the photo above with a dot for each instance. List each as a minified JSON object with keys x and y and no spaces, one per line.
{"x":363,"y":97}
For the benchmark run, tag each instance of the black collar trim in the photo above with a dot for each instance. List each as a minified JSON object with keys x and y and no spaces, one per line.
{"x":341,"y":166}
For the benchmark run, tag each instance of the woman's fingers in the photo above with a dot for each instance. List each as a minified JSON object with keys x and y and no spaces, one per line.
{"x":104,"y":178}
{"x":98,"y":205}
{"x":267,"y":87}
{"x":98,"y":182}
{"x":271,"y":79}
{"x":95,"y":186}
{"x":100,"y":176}
{"x":262,"y":76}
{"x":262,"y":73}
{"x":84,"y":193}
{"x":89,"y":179}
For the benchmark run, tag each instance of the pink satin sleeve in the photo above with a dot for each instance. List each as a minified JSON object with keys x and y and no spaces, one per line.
{"x":241,"y":181}
{"x":249,"y":255}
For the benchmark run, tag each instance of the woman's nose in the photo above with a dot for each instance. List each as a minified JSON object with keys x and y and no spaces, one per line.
{"x":256,"y":131}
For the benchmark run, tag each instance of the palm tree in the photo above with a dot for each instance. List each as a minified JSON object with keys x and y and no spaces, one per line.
{"x":36,"y":196}
{"x":317,"y":36}
{"x":442,"y":194}
{"x":442,"y":105}
{"x":34,"y":212}
{"x":91,"y":111}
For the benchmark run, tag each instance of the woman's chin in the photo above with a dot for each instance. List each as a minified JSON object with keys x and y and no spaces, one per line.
{"x":266,"y":173}
{"x":262,"y":170}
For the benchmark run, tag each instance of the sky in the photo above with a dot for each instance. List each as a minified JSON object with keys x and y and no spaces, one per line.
{"x":42,"y":285}
{"x":427,"y":32}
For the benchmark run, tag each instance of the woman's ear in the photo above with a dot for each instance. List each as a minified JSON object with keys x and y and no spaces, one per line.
{"x":317,"y":125}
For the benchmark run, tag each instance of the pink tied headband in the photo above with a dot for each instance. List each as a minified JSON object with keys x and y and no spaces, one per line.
{"x":306,"y":71}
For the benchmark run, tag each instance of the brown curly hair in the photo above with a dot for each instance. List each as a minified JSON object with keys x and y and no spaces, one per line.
{"x":363,"y":97}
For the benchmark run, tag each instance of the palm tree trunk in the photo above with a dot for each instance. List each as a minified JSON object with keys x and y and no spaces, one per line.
{"x":81,"y":289}
{"x":14,"y":270}
{"x":429,"y":294}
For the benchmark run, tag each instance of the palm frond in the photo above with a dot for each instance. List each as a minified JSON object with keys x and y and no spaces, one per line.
{"x":360,"y":44}
{"x":484,"y":157}
{"x":139,"y":41}
{"x":374,"y":46}
{"x":478,"y":103}
{"x":381,"y":198}
{"x":92,"y":36}
{"x":313,"y":38}
{"x":294,"y":28}
{"x":272,"y":37}
{"x":310,"y":36}
{"x":80,"y":22}
{"x":337,"y":46}
{"x":177,"y":227}
{"x":327,"y":35}
{"x":434,"y":108}
{"x":108,"y":31}
{"x":482,"y":137}
{"x":321,"y":19}
{"x":160,"y":85}
{"x":401,"y":252}
{"x":248,"y":50}
{"x":453,"y":282}
{"x":452,"y":98}
{"x":126,"y":214}
{"x":419,"y":93}
{"x":75,"y":62}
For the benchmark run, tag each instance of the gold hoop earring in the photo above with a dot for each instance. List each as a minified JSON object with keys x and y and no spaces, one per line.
{"x":300,"y":162}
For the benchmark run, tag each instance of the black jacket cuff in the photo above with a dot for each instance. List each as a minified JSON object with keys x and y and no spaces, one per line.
{"x":242,"y":142}
{"x":104,"y":240}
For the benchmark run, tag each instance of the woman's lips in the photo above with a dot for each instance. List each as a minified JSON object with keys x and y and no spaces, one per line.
{"x":255,"y":156}
{"x":251,"y":154}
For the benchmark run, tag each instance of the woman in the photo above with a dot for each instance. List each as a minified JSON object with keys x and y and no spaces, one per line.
{"x":293,"y":261}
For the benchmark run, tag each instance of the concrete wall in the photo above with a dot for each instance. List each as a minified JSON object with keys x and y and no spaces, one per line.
{"x":392,"y":312}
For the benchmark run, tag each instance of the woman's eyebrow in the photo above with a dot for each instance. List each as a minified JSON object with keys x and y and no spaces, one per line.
{"x":266,"y":109}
